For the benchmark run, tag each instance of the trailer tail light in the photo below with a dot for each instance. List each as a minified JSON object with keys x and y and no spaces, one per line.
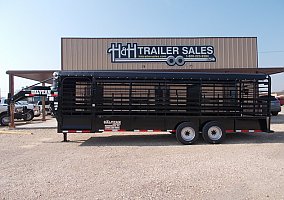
{"x":54,"y":94}
{"x":29,"y":95}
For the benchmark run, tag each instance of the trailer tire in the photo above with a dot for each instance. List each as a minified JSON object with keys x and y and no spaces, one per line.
{"x":4,"y":119}
{"x":187,"y":133}
{"x":29,"y":115}
{"x":213,"y":132}
{"x":274,"y":113}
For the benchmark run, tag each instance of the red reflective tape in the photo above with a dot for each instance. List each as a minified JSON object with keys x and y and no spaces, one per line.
{"x":107,"y":130}
{"x":245,"y":131}
{"x":71,"y":131}
{"x":54,"y":95}
{"x":157,"y":130}
{"x":174,"y":131}
{"x":258,"y":131}
{"x":86,"y":131}
{"x":121,"y":130}
{"x":229,"y":131}
{"x":143,"y":130}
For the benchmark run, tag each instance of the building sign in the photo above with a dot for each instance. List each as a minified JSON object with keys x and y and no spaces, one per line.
{"x":172,"y":55}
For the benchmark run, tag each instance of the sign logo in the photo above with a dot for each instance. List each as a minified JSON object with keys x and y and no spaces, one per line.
{"x":112,"y":125}
{"x":172,"y":55}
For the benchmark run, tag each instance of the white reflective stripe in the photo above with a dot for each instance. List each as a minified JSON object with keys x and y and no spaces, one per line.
{"x":169,"y":130}
{"x":78,"y":131}
{"x":101,"y":129}
{"x":26,"y":95}
{"x":150,"y":130}
{"x":136,"y":130}
{"x":251,"y":131}
{"x":64,"y":131}
{"x":55,"y":102}
{"x":238,"y":131}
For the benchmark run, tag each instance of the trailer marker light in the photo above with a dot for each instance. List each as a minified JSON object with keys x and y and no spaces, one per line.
{"x":244,"y":131}
{"x":76,"y":131}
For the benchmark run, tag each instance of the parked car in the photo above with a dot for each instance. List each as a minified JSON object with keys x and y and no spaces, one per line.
{"x":20,"y":112}
{"x":30,"y":106}
{"x":275,"y":106}
{"x":23,"y":110}
{"x":281,"y":99}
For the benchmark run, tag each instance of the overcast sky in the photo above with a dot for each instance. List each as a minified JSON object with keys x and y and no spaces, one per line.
{"x":30,"y":30}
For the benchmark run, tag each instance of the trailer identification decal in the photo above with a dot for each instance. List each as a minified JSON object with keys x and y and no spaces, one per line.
{"x":172,"y":55}
{"x":112,"y":125}
{"x":41,"y":92}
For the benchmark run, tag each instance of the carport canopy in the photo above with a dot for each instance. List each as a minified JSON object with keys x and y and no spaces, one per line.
{"x":35,"y":75}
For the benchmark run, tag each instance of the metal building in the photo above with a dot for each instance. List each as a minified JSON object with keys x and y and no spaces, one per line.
{"x":158,"y":53}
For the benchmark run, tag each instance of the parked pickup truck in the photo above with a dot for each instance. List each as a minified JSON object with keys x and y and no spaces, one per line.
{"x":23,"y":111}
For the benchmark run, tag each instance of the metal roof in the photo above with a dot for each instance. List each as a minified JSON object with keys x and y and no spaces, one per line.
{"x":36,"y":75}
{"x":152,"y":75}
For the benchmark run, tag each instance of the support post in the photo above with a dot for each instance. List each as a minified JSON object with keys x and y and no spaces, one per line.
{"x":12,"y":115}
{"x":43,"y":106}
{"x":12,"y":105}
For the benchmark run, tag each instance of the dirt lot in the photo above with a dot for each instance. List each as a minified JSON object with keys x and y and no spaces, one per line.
{"x":145,"y":166}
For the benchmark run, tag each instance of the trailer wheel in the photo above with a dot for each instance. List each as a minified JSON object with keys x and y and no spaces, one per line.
{"x":213,"y":132}
{"x":171,"y":60}
{"x":29,"y":115}
{"x":187,"y":133}
{"x":5,"y":119}
{"x":274,"y":113}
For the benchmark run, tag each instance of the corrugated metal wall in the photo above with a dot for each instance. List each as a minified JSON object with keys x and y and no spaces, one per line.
{"x":91,"y":53}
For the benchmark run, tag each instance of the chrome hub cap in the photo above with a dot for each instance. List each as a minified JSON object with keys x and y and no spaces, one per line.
{"x":188,"y":133}
{"x":215,"y":133}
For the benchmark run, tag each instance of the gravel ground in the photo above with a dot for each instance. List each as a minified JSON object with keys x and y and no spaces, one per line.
{"x":140,"y":166}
